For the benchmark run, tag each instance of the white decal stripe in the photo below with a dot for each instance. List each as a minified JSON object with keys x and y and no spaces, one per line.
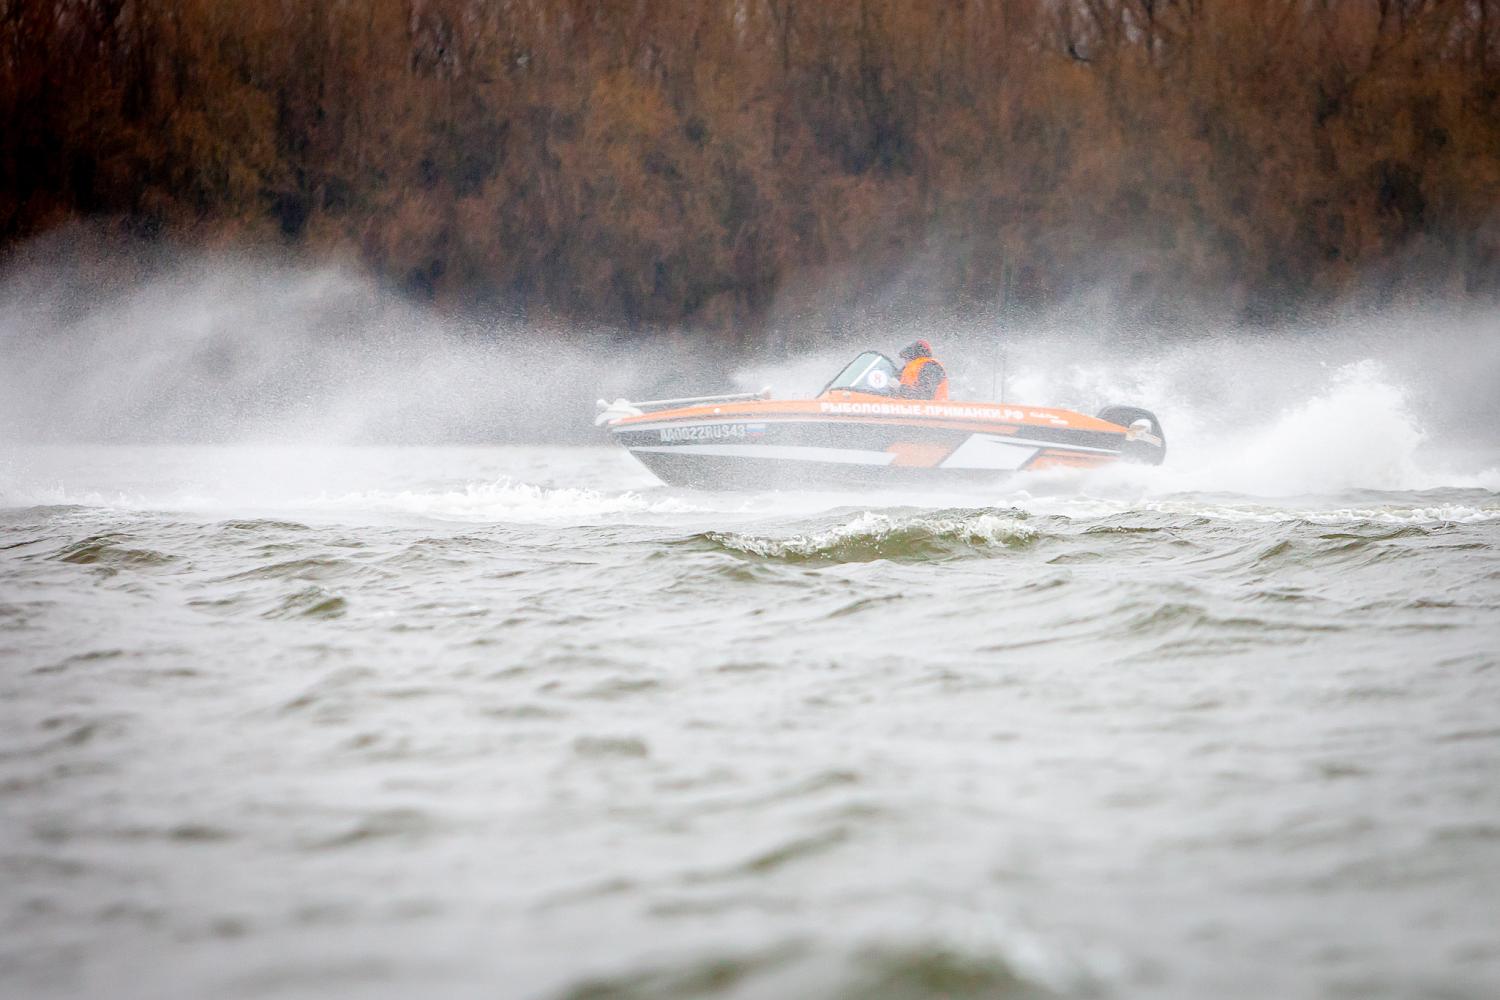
{"x":794,"y":453}
{"x":982,"y":452}
{"x":1059,"y":445}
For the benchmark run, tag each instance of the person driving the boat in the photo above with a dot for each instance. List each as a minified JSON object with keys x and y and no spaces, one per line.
{"x":922,"y":377}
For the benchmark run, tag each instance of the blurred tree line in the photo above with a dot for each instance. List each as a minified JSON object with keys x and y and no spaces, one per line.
{"x":669,"y":163}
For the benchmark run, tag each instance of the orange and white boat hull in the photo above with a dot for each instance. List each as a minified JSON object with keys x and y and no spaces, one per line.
{"x":850,"y":438}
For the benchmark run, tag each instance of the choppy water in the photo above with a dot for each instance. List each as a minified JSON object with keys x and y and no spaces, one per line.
{"x":518,"y":722}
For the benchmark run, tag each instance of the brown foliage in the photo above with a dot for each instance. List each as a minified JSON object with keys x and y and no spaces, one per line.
{"x":686,"y":162}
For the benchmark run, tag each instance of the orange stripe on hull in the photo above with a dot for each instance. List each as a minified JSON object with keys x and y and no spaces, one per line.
{"x":918,"y":456}
{"x":1069,"y":460}
{"x":854,"y":407}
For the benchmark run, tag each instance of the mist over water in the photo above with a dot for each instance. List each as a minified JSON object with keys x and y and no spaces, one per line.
{"x":244,"y":351}
{"x":218,"y":349}
{"x":340,"y":656}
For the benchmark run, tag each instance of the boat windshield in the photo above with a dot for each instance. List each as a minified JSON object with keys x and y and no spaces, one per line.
{"x":870,"y":372}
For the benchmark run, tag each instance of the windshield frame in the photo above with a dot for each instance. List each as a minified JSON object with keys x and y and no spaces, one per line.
{"x":876,"y":357}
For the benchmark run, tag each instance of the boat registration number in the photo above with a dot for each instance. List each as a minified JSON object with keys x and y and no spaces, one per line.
{"x":702,"y":432}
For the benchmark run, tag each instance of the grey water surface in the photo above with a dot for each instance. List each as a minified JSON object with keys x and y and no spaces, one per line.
{"x":517,"y":722}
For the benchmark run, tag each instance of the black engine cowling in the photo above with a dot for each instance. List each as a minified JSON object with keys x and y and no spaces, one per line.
{"x":1145,"y":441}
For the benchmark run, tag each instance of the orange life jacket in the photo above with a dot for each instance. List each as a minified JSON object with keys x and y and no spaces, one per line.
{"x":913,"y":371}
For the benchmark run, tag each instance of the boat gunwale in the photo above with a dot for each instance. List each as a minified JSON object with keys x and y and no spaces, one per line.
{"x":801,"y":410}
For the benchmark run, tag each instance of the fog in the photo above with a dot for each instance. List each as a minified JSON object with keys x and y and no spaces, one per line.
{"x":219,"y":348}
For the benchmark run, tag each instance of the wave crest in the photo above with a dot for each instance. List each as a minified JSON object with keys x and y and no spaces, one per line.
{"x":872,"y":536}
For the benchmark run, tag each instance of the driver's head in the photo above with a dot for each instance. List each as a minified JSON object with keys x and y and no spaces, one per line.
{"x":916,"y":349}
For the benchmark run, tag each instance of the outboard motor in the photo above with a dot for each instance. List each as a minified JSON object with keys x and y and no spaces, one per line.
{"x":1144,"y":440}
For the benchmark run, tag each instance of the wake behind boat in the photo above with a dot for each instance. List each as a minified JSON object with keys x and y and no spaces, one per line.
{"x":860,"y":430}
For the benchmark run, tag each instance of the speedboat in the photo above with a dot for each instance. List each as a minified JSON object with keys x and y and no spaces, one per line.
{"x":859,"y":430}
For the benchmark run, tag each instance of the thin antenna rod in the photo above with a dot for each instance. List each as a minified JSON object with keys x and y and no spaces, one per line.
{"x":997,"y":378}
